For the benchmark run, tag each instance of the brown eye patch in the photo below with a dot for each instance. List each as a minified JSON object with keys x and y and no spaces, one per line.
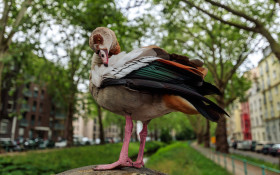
{"x":97,"y":39}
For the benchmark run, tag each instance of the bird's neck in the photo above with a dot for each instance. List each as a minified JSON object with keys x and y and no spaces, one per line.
{"x":95,"y":61}
{"x":115,"y":48}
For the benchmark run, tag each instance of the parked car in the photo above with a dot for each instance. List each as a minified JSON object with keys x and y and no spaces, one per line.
{"x":253,"y":145}
{"x":259,"y":147}
{"x":60,"y":144}
{"x":240,"y":145}
{"x":29,"y":144}
{"x":247,"y":144}
{"x":267,"y":148}
{"x":275,"y":150}
{"x":46,"y":144}
{"x":234,"y":144}
{"x":8,"y":146}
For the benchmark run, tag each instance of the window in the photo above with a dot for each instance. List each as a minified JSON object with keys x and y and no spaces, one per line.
{"x":276,"y":89}
{"x":41,"y":107}
{"x":35,"y":95}
{"x":34,"y":106}
{"x":10,"y":106}
{"x":4,"y":126}
{"x":42,"y":94}
{"x":268,"y":81}
{"x":278,"y":106}
{"x":272,"y":113}
{"x":274,"y":74}
{"x":32,"y":120}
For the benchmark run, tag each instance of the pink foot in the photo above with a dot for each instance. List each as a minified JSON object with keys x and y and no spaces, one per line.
{"x":119,"y":163}
{"x":138,"y":164}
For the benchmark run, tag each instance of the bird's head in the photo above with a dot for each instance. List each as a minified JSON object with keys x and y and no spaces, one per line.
{"x":104,"y":43}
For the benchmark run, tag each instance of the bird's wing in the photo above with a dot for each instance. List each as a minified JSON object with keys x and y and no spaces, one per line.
{"x":167,"y":77}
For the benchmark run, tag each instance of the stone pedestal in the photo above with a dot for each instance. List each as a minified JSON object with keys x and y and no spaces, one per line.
{"x":88,"y":170}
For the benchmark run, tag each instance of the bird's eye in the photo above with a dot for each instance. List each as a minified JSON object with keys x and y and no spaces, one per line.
{"x":102,"y":55}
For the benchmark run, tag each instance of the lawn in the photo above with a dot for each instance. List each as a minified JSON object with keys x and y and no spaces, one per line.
{"x":55,"y":161}
{"x":179,"y":158}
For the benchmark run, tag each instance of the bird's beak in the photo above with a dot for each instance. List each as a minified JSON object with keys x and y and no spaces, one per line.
{"x":103,"y":54}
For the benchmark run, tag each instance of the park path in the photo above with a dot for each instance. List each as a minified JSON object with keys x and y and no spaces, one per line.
{"x":233,"y":166}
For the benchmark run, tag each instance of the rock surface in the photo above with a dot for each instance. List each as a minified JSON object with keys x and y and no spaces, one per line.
{"x":88,"y":170}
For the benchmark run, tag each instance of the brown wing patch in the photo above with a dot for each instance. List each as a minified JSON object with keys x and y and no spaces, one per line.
{"x":189,"y":68}
{"x":180,"y":104}
{"x":203,"y":70}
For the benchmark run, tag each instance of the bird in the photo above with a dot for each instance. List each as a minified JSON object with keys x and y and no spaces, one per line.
{"x":144,"y":84}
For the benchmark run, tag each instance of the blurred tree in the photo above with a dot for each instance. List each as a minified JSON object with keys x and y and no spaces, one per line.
{"x":223,"y":49}
{"x":251,"y":15}
{"x":165,"y":136}
{"x":19,"y":18}
{"x":75,"y":20}
{"x":185,"y":134}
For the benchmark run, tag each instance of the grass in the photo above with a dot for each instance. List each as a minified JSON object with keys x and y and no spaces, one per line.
{"x":257,"y":161}
{"x":179,"y":158}
{"x":56,"y":161}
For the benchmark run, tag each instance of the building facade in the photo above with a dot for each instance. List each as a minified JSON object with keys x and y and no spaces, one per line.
{"x":255,"y":103}
{"x":234,"y":122}
{"x":88,"y":126}
{"x":269,"y":68}
{"x":33,"y":115}
{"x":245,"y":121}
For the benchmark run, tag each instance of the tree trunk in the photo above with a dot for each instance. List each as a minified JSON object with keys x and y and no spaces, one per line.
{"x":221,"y":130}
{"x":69,"y":125}
{"x":101,"y":130}
{"x":156,"y":134}
{"x":199,"y":137}
{"x":2,"y":55}
{"x":207,"y":135}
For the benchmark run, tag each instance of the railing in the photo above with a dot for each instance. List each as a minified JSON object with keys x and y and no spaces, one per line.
{"x":240,"y":166}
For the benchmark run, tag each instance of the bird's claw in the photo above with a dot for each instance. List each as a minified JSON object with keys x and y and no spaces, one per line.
{"x":138,"y":164}
{"x":120,"y":163}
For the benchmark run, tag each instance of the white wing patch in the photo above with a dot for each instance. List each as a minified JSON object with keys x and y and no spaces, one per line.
{"x":120,"y":65}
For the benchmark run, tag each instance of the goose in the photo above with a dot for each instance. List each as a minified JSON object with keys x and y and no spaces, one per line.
{"x":144,"y":84}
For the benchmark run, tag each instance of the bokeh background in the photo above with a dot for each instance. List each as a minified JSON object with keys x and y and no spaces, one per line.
{"x":49,"y":122}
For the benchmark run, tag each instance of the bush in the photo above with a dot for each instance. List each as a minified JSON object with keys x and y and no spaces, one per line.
{"x":165,"y":136}
{"x":186,"y":134}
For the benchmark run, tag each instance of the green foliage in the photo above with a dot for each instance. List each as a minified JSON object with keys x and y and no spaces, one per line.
{"x":56,"y":161}
{"x":180,"y":158}
{"x":165,"y":136}
{"x":185,"y":134}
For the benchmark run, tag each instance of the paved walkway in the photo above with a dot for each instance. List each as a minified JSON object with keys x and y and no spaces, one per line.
{"x":233,"y":166}
{"x":267,"y":158}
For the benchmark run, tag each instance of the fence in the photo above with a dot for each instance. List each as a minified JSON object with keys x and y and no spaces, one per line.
{"x":237,"y":165}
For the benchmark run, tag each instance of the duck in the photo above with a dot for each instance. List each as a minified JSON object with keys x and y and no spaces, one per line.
{"x":144,"y":84}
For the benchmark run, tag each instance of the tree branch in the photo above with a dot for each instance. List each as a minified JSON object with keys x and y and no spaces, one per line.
{"x":235,"y":12}
{"x":19,"y":18}
{"x":240,"y":26}
{"x":4,"y":19}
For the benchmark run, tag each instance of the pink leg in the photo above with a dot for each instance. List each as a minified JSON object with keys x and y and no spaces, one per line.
{"x":143,"y":134}
{"x":124,"y":160}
